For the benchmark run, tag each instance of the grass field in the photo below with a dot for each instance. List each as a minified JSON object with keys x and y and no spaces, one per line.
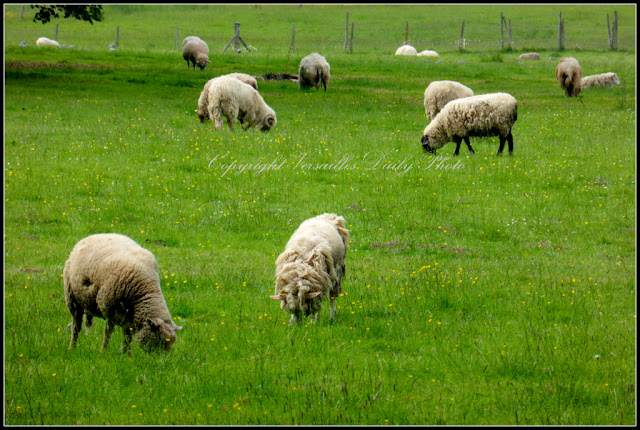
{"x":479,"y":290}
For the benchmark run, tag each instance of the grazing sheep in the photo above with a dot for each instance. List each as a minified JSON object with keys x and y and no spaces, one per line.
{"x":569,"y":75}
{"x":110,"y":276}
{"x":311,"y":267}
{"x":228,"y":96}
{"x":406,"y":50}
{"x":484,"y":115}
{"x":203,"y":101}
{"x":602,"y":80}
{"x":196,"y":51}
{"x":43,"y":41}
{"x":439,"y":93}
{"x":243,"y":77}
{"x":428,"y":53}
{"x":313,"y":71}
{"x":529,"y":56}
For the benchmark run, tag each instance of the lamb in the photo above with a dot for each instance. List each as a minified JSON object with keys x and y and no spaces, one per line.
{"x":602,"y":80}
{"x":312,"y":266}
{"x":569,"y":75}
{"x":112,"y":277}
{"x":529,"y":56}
{"x":427,"y":53}
{"x":406,"y":50}
{"x":313,"y":71}
{"x":196,"y":51}
{"x":228,"y":96}
{"x":43,"y":41}
{"x":439,"y":93}
{"x":484,"y":115}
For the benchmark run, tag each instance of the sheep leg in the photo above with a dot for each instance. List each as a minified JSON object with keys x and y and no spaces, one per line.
{"x":466,"y":140}
{"x":230,"y":123}
{"x":108,"y":329}
{"x":76,"y":326}
{"x":332,"y":306}
{"x":457,"y":141}
{"x":127,"y":335}
{"x":502,"y":141}
{"x":510,"y":142}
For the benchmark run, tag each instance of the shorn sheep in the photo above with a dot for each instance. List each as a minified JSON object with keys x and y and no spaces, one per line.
{"x":112,"y":277}
{"x":195,"y":51}
{"x":406,"y":50}
{"x":529,"y":56}
{"x":606,"y":80}
{"x":311,"y":268}
{"x":313,"y":71}
{"x":439,"y":93}
{"x":228,"y":96}
{"x":484,"y":115}
{"x":569,"y":76}
{"x":43,"y":41}
{"x":428,"y":53}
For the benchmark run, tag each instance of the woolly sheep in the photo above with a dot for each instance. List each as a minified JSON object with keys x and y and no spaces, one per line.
{"x":439,"y":93}
{"x":196,"y":51}
{"x":602,"y":80}
{"x":569,"y":75}
{"x":243,"y":77}
{"x":112,"y":277}
{"x":529,"y":56}
{"x":311,"y":267}
{"x":406,"y":50}
{"x":204,"y":94}
{"x":43,"y":41}
{"x":313,"y":71}
{"x":228,"y":96}
{"x":427,"y":53}
{"x":484,"y":115}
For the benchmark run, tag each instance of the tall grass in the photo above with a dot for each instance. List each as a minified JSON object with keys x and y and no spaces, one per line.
{"x":479,"y":290}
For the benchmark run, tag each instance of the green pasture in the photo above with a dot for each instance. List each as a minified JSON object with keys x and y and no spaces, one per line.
{"x":479,"y":290}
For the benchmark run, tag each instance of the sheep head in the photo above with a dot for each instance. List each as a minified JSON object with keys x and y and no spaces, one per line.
{"x":268,"y":123}
{"x":202,"y":61}
{"x":425,"y":145}
{"x":157,"y":334}
{"x":297,"y":299}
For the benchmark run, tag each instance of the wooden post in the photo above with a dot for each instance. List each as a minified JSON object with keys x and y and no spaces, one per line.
{"x":236,"y":40}
{"x":406,"y":34}
{"x":22,"y":13}
{"x":176,"y":44}
{"x":560,"y":32}
{"x":293,"y":39}
{"x":351,"y":41}
{"x":501,"y":30}
{"x":346,"y":33}
{"x":461,"y":44}
{"x":615,"y":30}
{"x":56,"y":39}
{"x":117,"y":36}
{"x":510,"y":40}
{"x":609,"y":31}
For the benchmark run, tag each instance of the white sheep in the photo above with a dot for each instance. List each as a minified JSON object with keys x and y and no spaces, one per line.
{"x":529,"y":56}
{"x":43,"y":41}
{"x":606,"y":80}
{"x":569,"y":75}
{"x":406,"y":50}
{"x":243,"y":77}
{"x":196,"y":51}
{"x":484,"y":115}
{"x":439,"y":93}
{"x":428,"y":53}
{"x":228,"y":96}
{"x":313,"y":71}
{"x":112,"y":277}
{"x":311,"y":267}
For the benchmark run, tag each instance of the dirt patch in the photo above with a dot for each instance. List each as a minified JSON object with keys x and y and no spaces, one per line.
{"x":278,"y":77}
{"x":41,"y":65}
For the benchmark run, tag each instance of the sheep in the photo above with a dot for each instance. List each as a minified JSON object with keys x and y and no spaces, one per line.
{"x":529,"y":56}
{"x":602,"y":80}
{"x":43,"y":41}
{"x":439,"y":93}
{"x":428,"y":53}
{"x":196,"y":51}
{"x":569,"y":75}
{"x":314,"y":70}
{"x":484,"y":115}
{"x":243,"y":77}
{"x":203,"y":101}
{"x":312,"y":266}
{"x":406,"y":50}
{"x":112,"y":277}
{"x":228,"y":96}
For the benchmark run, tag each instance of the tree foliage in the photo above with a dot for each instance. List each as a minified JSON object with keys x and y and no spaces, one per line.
{"x":90,"y":13}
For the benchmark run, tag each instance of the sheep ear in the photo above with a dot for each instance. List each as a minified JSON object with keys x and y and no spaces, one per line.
{"x":277,"y":297}
{"x":312,"y":295}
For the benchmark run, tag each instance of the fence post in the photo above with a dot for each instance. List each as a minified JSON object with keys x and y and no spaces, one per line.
{"x":117,"y":36}
{"x":176,"y":44}
{"x":351,"y":41}
{"x":461,"y":44}
{"x":293,"y":39}
{"x":56,"y":39}
{"x":406,"y":34}
{"x":609,"y":31}
{"x":615,"y":30}
{"x":346,"y":33}
{"x":22,"y":13}
{"x":501,"y":30}
{"x":560,"y":32}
